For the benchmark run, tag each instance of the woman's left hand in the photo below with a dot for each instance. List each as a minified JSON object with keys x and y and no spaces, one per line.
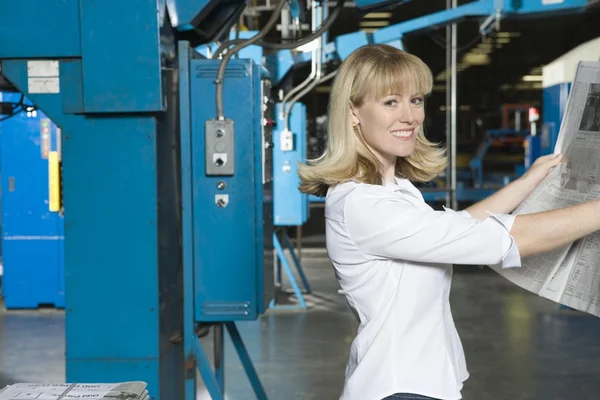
{"x":540,"y":168}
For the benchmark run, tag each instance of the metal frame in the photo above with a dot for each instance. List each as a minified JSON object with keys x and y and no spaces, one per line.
{"x":282,"y":260}
{"x":214,"y":379}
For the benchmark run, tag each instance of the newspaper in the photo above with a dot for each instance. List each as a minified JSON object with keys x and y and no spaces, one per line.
{"x":127,"y":390}
{"x":569,"y":275}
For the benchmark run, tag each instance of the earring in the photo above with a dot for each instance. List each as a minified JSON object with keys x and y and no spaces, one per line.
{"x":354,"y":126}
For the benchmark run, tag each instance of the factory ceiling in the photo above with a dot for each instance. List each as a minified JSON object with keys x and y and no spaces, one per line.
{"x":505,"y":67}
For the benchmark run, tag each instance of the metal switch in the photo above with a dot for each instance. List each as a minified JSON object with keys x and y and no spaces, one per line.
{"x":220,"y":143}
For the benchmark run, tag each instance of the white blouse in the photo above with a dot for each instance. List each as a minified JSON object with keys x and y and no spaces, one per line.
{"x":393,"y":257}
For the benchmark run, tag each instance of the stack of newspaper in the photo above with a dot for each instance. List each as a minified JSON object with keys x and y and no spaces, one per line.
{"x":570,"y":275}
{"x":66,"y":391}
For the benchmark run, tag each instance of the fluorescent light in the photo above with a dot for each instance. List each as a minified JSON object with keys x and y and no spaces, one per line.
{"x":532,"y":78}
{"x":476,"y":59}
{"x":507,"y":34}
{"x":373,"y":23}
{"x":378,"y":15}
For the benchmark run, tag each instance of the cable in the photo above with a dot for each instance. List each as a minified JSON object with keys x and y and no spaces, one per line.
{"x":304,"y":92}
{"x":18,"y":107}
{"x":316,"y":19}
{"x":292,"y":45}
{"x":221,"y":72}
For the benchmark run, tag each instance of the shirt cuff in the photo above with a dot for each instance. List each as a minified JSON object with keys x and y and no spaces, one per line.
{"x":463,"y":213}
{"x":512,"y":257}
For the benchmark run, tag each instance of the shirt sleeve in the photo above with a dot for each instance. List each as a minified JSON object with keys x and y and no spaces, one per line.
{"x":383,"y":224}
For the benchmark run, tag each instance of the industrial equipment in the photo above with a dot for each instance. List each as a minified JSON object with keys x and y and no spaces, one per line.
{"x":166,"y":183}
{"x":167,"y":157}
{"x":291,"y":207}
{"x":32,"y":222}
{"x":227,"y":196}
{"x":491,"y":14}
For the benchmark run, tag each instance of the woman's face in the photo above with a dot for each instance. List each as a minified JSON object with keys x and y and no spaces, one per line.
{"x":390,"y":125}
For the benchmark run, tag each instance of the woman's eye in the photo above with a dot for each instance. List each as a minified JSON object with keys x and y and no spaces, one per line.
{"x":391,"y":103}
{"x":418,"y":101}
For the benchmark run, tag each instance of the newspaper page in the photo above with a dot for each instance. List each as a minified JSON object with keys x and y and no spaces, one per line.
{"x":59,"y":391}
{"x":569,"y":275}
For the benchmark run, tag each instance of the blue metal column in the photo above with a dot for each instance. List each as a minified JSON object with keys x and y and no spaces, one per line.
{"x":103,"y":83}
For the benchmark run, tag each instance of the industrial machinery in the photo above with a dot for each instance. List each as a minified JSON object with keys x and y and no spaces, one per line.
{"x":291,"y":207}
{"x":166,"y":183}
{"x":167,"y":163}
{"x":32,"y":223}
{"x":490,"y":13}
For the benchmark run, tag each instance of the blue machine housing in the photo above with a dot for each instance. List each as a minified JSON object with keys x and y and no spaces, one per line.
{"x":233,"y":271}
{"x":291,"y":207}
{"x":32,"y":235}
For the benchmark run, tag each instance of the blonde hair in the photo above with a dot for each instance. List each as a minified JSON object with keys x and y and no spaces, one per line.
{"x":370,"y":72}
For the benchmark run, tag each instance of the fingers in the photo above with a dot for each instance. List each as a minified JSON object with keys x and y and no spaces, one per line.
{"x":553,"y":159}
{"x":556,"y":159}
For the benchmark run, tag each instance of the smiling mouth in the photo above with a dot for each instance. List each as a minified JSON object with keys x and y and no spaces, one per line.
{"x":403,"y":134}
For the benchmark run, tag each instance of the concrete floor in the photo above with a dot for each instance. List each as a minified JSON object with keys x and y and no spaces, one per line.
{"x":518,"y":346}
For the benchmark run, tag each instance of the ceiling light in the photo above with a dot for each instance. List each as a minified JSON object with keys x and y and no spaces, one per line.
{"x":476,"y":59}
{"x":374,"y":23}
{"x":378,"y":15}
{"x":532,"y":78}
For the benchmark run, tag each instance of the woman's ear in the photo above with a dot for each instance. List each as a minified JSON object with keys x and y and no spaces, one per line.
{"x":354,"y":115}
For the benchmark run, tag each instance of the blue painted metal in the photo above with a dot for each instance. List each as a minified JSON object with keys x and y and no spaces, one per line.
{"x":252,"y":52}
{"x":112,"y":249}
{"x":32,"y":235}
{"x":346,"y":44}
{"x":117,"y":106}
{"x":219,"y":297}
{"x":114,"y":88}
{"x":53,"y":30}
{"x":222,"y":285}
{"x":202,"y":21}
{"x":194,"y":354}
{"x":476,"y":163}
{"x":282,"y":260}
{"x":554,"y":104}
{"x":290,"y":206}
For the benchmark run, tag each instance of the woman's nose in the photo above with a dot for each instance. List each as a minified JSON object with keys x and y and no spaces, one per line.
{"x":406,"y":114}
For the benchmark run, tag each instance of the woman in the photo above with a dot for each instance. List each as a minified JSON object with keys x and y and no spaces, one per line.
{"x":392,"y":253}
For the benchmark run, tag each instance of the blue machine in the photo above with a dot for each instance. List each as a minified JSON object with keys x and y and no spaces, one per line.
{"x":166,"y":206}
{"x":291,"y":207}
{"x":227,"y":205}
{"x":167,"y":201}
{"x":32,"y":232}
